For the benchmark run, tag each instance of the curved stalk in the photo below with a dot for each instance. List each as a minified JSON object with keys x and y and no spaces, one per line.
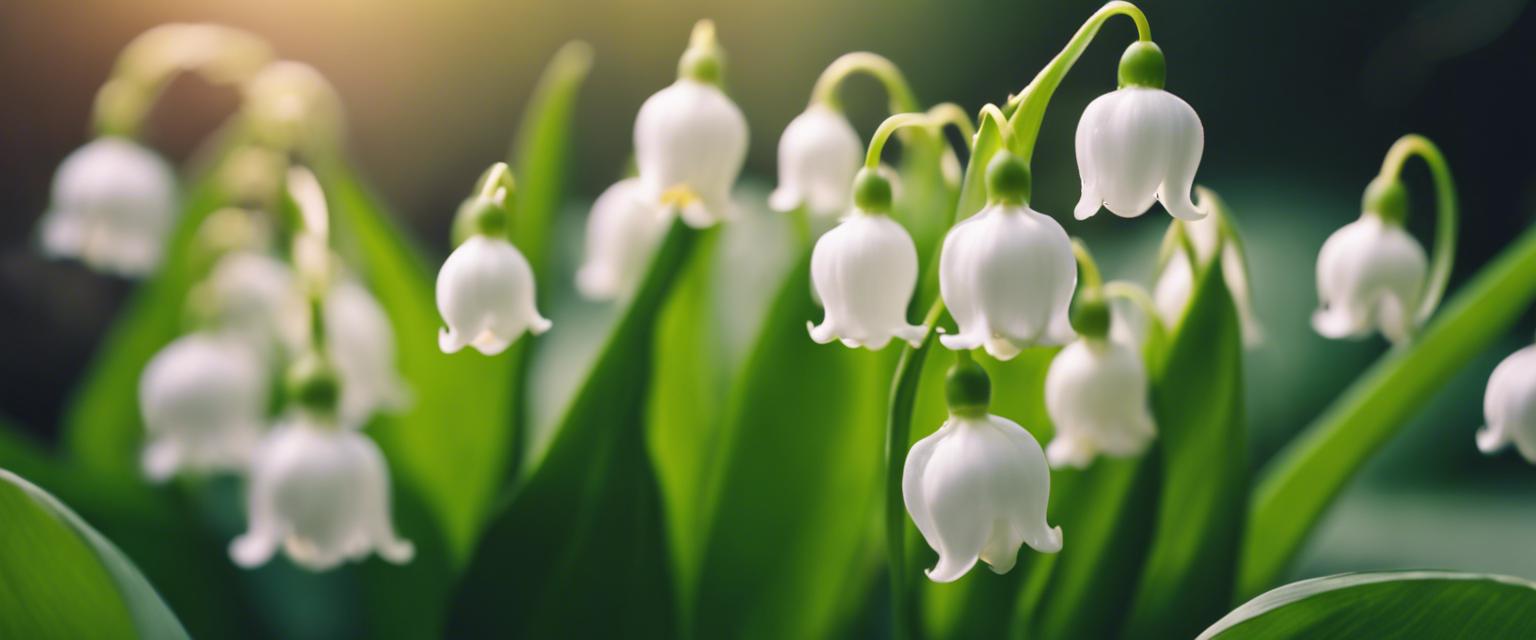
{"x":881,"y":68}
{"x":1447,"y":216}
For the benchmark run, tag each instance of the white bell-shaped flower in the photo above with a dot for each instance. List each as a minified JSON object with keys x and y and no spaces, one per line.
{"x":1370,"y":276}
{"x":361,"y":342}
{"x":622,"y":234}
{"x":321,"y":492}
{"x":1509,"y":406}
{"x":864,"y":271}
{"x":979,"y":487}
{"x":690,"y":143}
{"x":1007,"y":275}
{"x":1139,"y":144}
{"x":1096,"y":395}
{"x":113,"y":205}
{"x":1176,"y":281}
{"x":485,"y":293}
{"x":819,"y":154}
{"x":258,"y":296}
{"x":204,"y":401}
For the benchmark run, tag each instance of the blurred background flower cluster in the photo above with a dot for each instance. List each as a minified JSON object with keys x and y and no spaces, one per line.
{"x":1298,"y":99}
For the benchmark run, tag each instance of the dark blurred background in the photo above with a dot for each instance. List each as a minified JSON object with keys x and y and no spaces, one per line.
{"x":1300,"y":99}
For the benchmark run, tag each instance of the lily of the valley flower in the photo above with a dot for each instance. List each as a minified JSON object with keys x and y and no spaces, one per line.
{"x":1176,"y":281}
{"x":622,"y":233}
{"x":864,"y":271}
{"x":819,"y":155}
{"x":1509,"y":406}
{"x":320,"y":492}
{"x":978,"y":488}
{"x":1139,"y":144}
{"x":362,"y":344}
{"x":113,"y":204}
{"x":690,"y":139}
{"x":1096,"y":395}
{"x":485,"y":292}
{"x":258,"y":296}
{"x":1007,"y":273}
{"x":204,"y":401}
{"x":1370,"y":276}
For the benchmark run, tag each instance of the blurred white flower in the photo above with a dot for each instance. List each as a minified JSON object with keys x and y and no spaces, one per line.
{"x":361,"y":343}
{"x":819,"y":154}
{"x":1176,"y":281}
{"x":622,"y":234}
{"x":977,"y":489}
{"x":1096,"y":395}
{"x":322,"y":493}
{"x":864,"y":271}
{"x":485,"y":293}
{"x":1370,"y":276}
{"x":113,"y":205}
{"x":690,"y":143}
{"x":1509,"y":406}
{"x":258,"y":296}
{"x":1137,"y":145}
{"x":1007,"y":275}
{"x":203,"y":399}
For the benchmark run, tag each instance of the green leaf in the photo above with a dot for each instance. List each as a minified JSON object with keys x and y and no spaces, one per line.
{"x":795,"y":482}
{"x":1197,"y":401}
{"x":1418,"y":604}
{"x":588,"y":520}
{"x":1297,"y":488}
{"x":542,"y":152}
{"x":61,"y":579}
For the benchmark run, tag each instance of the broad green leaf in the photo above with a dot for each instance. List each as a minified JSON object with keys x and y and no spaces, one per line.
{"x":1197,"y":402}
{"x":542,"y":153}
{"x":1417,"y":604}
{"x":61,"y":579}
{"x":795,"y":481}
{"x":1297,"y":488}
{"x":581,"y":549}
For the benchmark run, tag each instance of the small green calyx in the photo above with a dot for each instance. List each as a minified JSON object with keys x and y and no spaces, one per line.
{"x":487,"y":216}
{"x":703,"y":61}
{"x":967,"y":389}
{"x":1386,"y":197}
{"x":313,"y":385}
{"x":1143,"y":65}
{"x":871,"y":191}
{"x":1090,"y":315}
{"x":1008,"y":179}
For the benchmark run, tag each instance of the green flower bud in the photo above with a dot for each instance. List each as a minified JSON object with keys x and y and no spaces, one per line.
{"x":313,"y":385}
{"x":871,"y":191}
{"x":1008,"y":179}
{"x":1090,"y":315}
{"x":1386,"y":197}
{"x":1143,"y":65}
{"x":967,"y":389}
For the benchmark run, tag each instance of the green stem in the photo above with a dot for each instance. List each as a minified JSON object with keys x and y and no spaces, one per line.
{"x":1011,"y":140}
{"x":1029,"y":105}
{"x":888,"y":128}
{"x":1297,"y":488}
{"x":880,"y":67}
{"x":905,"y":613}
{"x":1447,"y":220}
{"x":1087,"y":268}
{"x":950,"y":113}
{"x":1133,"y":293}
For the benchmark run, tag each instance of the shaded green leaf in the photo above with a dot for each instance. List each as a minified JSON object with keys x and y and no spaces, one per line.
{"x":1419,"y":604}
{"x":542,"y":152}
{"x":1297,"y":488}
{"x":588,"y":519}
{"x":61,"y":579}
{"x":1197,"y":401}
{"x":795,"y":482}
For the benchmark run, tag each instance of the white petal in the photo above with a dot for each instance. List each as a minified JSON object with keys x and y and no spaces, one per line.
{"x":113,"y":205}
{"x":361,"y":343}
{"x":1509,"y":405}
{"x":485,"y":293}
{"x":691,"y":140}
{"x":1370,"y":274}
{"x":1096,"y":394}
{"x":1007,"y":276}
{"x":864,"y":271}
{"x":1137,"y":145}
{"x":203,"y":399}
{"x":819,"y":154}
{"x":623,"y":231}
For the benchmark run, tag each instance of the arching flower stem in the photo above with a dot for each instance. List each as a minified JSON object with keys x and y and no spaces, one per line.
{"x":947,"y":113}
{"x":902,"y":99}
{"x":1028,"y":106}
{"x":1087,"y":268}
{"x":1447,"y":216}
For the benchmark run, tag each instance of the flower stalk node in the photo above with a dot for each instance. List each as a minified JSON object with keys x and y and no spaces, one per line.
{"x":967,"y":388}
{"x":872,"y":191}
{"x":1143,"y":65}
{"x":1386,"y":196}
{"x":1008,"y":179}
